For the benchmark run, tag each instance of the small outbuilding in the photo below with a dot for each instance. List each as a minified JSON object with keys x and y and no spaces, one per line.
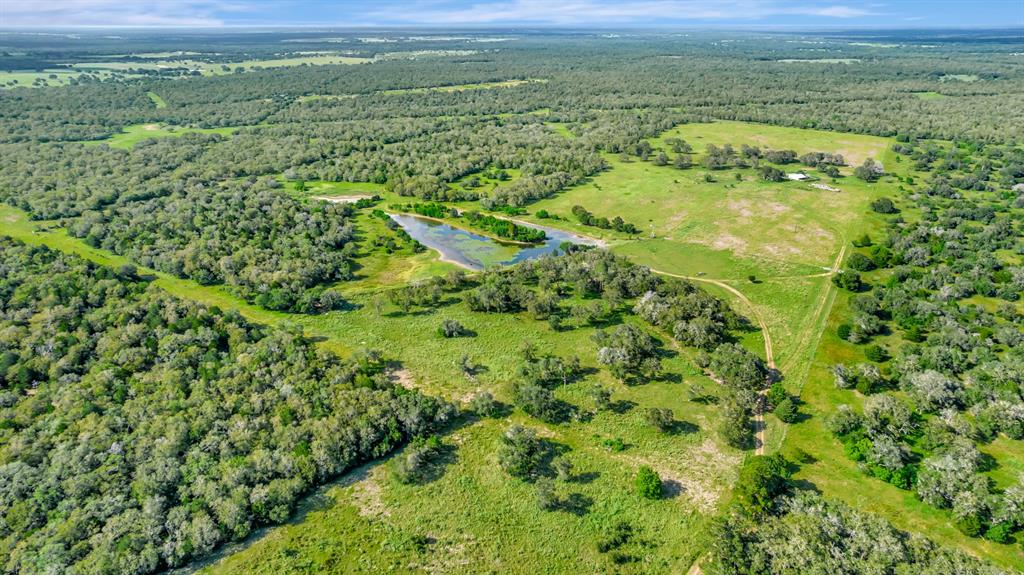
{"x":798,"y":176}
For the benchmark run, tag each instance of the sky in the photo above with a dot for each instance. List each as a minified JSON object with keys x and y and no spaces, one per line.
{"x":514,"y":13}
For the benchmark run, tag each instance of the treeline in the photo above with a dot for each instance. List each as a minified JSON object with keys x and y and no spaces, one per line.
{"x":588,"y":219}
{"x":500,"y":227}
{"x":274,"y":251}
{"x":957,"y":365}
{"x":504,"y":228}
{"x":140,"y":431}
{"x":878,"y":96}
{"x":810,"y":534}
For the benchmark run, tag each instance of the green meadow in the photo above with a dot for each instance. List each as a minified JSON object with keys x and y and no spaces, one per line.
{"x":136,"y":133}
{"x":773,"y":243}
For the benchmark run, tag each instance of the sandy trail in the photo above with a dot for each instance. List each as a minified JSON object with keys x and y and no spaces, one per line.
{"x":695,"y":568}
{"x":769,"y":355}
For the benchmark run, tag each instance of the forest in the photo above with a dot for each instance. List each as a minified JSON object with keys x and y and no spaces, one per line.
{"x":784,"y":334}
{"x":141,"y":430}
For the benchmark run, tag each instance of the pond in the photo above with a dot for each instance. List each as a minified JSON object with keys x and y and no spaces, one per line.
{"x":475,"y":251}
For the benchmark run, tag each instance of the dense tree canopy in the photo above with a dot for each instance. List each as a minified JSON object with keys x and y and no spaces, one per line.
{"x":141,"y":430}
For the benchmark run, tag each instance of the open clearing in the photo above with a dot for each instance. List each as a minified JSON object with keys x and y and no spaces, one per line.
{"x":134,"y":134}
{"x":102,"y":70}
{"x":699,"y":470}
{"x":789,"y":235}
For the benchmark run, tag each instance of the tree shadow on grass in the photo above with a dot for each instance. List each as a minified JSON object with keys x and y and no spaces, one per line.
{"x":621,"y":406}
{"x":680,"y":427}
{"x":576,"y":504}
{"x":585,"y":478}
{"x":670,"y":489}
{"x":706,"y":399}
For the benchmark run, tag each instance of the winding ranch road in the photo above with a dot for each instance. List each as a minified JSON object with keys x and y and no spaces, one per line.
{"x":768,"y":350}
{"x":769,"y":353}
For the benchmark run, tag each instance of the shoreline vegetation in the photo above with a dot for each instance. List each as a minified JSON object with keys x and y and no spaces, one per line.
{"x":499,"y":229}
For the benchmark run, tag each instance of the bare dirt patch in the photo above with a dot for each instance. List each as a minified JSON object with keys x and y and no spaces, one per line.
{"x":151,"y":127}
{"x":366,"y":491}
{"x":726,"y":241}
{"x":342,"y":199}
{"x":696,"y":488}
{"x":748,"y":208}
{"x":402,"y":376}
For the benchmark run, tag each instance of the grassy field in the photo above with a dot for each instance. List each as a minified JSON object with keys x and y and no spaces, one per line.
{"x":134,"y":134}
{"x":787,"y":235}
{"x":61,"y":76}
{"x":55,"y":77}
{"x":930,"y":95}
{"x":157,"y":100}
{"x":465,"y":87}
{"x":218,"y":68}
{"x":371,"y":519}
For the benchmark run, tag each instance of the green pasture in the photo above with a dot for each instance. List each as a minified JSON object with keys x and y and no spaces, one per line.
{"x":930,"y":96}
{"x":787,"y":235}
{"x":157,"y":100}
{"x":465,"y":87}
{"x":136,"y":133}
{"x":474,"y":491}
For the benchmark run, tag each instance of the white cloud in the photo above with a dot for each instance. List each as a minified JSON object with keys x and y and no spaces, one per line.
{"x":581,"y":12}
{"x":43,"y":13}
{"x":568,"y":13}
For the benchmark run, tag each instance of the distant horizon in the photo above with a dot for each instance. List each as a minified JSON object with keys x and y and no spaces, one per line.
{"x":516,"y":14}
{"x":518,"y":28}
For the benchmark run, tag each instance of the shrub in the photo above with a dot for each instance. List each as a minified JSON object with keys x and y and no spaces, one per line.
{"x":876,"y":353}
{"x":1000,"y":533}
{"x":860,"y":262}
{"x":414,"y":463}
{"x":884,"y":206}
{"x":777,"y":394}
{"x":762,"y":479}
{"x":451,"y":328}
{"x":786,"y":411}
{"x":848,"y":280}
{"x":539,"y":402}
{"x":484,"y":404}
{"x":547,"y":498}
{"x":521,"y":453}
{"x":661,"y":418}
{"x":843,"y":331}
{"x":562,"y":468}
{"x":648,"y":484}
{"x":863,"y":242}
{"x":614,"y":444}
{"x":735,"y":427}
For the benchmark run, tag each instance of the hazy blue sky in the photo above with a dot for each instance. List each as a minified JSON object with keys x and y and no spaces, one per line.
{"x":497,"y":13}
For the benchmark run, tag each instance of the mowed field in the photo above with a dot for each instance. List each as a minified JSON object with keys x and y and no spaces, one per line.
{"x":787,"y":235}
